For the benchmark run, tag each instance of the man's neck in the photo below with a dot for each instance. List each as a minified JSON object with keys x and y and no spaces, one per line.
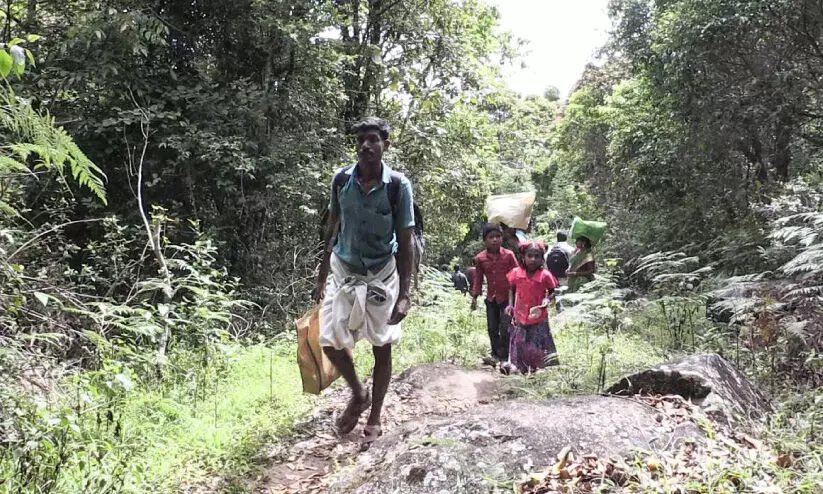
{"x":369,"y":171}
{"x":493,"y":252}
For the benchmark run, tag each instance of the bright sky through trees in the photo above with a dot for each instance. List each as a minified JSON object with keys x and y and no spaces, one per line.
{"x":562,"y":37}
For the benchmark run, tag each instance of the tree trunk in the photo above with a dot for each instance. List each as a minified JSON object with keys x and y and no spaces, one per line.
{"x":359,"y":89}
{"x":31,"y":16}
{"x":782,"y":155}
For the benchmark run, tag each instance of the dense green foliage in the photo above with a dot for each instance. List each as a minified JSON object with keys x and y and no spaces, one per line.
{"x":239,"y":114}
{"x":698,"y":134}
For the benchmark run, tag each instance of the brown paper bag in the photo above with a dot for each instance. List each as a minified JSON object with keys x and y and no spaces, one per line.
{"x":316,"y":369}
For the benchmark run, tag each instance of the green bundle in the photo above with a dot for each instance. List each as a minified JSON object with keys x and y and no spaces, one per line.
{"x":592,"y":230}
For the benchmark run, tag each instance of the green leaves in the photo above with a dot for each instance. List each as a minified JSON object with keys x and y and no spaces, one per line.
{"x":6,"y":63}
{"x":37,"y":136}
{"x":14,"y":60}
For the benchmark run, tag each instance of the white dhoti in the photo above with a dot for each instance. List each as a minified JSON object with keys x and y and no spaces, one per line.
{"x":359,"y":307}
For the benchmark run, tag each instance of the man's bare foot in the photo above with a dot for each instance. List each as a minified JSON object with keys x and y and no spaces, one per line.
{"x":370,"y":435}
{"x":357,"y":405}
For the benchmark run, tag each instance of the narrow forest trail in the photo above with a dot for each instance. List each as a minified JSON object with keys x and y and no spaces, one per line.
{"x":307,"y":463}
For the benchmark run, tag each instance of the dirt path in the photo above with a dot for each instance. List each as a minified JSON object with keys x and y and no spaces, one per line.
{"x":307,"y":464}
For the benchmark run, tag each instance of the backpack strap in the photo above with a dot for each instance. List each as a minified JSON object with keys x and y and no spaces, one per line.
{"x":394,"y":192}
{"x":340,"y":179}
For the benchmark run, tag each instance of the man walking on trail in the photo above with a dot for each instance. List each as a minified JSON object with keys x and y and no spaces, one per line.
{"x":557,"y":262}
{"x":459,"y":280}
{"x":557,"y":257}
{"x":366,"y":287}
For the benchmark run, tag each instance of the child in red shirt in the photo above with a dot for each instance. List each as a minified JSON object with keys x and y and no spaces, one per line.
{"x":531,"y":345}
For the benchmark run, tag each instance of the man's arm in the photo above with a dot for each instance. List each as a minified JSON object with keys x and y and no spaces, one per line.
{"x":404,"y":257}
{"x":330,"y":232}
{"x":331,"y":229}
{"x":477,"y":281}
{"x":404,"y":269}
{"x":403,"y":228}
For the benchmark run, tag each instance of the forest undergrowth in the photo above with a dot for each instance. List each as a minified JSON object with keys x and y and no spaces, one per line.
{"x":163,"y":171}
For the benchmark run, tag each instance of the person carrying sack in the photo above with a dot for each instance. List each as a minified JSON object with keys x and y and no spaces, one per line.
{"x":558,"y":256}
{"x":585,"y":235}
{"x":365,"y":290}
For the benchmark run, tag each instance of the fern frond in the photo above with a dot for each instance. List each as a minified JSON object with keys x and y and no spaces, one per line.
{"x":35,"y":136}
{"x":802,"y":235}
{"x":807,"y":262}
{"x":814,"y":291}
{"x":797,"y":329}
{"x":7,"y":209}
{"x":737,"y":287}
{"x":814,"y":217}
{"x":11,"y":165}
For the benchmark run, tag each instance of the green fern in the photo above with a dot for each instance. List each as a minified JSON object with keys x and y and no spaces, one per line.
{"x":803,"y":231}
{"x":786,"y":299}
{"x":668,"y":272}
{"x":11,"y":165}
{"x":36,"y":137}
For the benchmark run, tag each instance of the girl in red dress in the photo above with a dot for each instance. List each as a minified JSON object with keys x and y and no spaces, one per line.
{"x":531,"y":345}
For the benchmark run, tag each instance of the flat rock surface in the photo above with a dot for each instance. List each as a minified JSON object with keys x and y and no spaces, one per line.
{"x":431,"y":390}
{"x":450,"y":430}
{"x":487,"y":448}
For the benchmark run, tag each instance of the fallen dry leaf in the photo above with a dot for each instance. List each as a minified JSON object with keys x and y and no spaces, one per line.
{"x":564,"y":456}
{"x":653,"y":464}
{"x":754,"y":443}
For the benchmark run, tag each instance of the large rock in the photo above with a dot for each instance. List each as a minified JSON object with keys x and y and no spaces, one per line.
{"x":501,"y":442}
{"x":707,"y":380}
{"x":442,"y":381}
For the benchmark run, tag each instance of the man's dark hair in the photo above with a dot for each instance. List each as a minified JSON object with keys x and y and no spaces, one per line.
{"x":456,"y":268}
{"x":586,"y":242}
{"x":372,"y":123}
{"x":561,"y":236}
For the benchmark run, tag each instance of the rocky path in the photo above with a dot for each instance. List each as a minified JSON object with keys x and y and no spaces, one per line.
{"x":437,"y":390}
{"x":448,"y":429}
